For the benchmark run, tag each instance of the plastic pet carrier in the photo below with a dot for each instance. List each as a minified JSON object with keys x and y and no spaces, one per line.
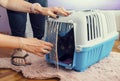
{"x":81,"y":39}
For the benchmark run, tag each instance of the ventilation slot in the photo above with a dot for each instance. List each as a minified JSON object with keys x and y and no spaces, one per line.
{"x":93,"y":27}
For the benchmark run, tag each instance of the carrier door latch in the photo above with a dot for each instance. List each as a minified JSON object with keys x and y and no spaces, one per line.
{"x":78,"y":49}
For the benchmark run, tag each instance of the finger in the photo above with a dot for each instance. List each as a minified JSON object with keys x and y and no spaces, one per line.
{"x":45,"y":43}
{"x":52,"y":14}
{"x":48,"y":48}
{"x":60,"y":10}
{"x":41,"y":50}
{"x":48,"y":44}
{"x":64,"y":10}
{"x":44,"y":51}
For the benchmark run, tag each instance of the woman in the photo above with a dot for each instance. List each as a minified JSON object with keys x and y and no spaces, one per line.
{"x":18,"y":20}
{"x":32,"y":45}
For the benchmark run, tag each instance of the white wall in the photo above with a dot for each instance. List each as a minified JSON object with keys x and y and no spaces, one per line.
{"x":117,"y":15}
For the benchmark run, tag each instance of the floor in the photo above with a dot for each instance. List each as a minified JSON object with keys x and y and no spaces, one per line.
{"x":9,"y":75}
{"x":116,"y":47}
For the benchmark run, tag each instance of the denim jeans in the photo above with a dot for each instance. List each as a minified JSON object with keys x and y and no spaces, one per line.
{"x":18,"y":21}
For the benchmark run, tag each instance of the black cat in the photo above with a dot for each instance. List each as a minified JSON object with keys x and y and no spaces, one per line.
{"x":66,"y":46}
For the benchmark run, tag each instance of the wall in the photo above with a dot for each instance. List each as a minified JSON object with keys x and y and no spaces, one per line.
{"x":117,"y":15}
{"x":4,"y":24}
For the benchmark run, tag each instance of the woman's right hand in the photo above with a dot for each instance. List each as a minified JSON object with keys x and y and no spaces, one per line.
{"x":36,"y":46}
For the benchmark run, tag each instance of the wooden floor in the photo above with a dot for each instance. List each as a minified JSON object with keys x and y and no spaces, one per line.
{"x":116,"y":47}
{"x":9,"y":75}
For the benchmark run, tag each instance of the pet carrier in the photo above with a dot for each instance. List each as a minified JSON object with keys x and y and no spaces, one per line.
{"x":81,"y":39}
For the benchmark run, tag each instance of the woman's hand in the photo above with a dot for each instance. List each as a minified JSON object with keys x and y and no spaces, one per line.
{"x":36,"y":46}
{"x":49,"y":11}
{"x":54,"y":11}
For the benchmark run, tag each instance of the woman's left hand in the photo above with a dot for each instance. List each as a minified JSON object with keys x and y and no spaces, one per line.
{"x":51,"y":11}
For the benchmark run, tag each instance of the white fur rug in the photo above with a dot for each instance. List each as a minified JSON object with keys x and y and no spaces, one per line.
{"x":107,"y":69}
